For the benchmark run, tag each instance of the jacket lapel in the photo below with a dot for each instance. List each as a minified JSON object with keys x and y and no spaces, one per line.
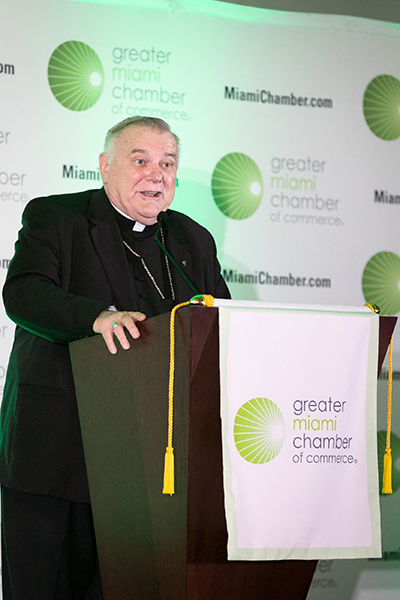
{"x":106,"y":239}
{"x":179,"y":247}
{"x":182,"y":256}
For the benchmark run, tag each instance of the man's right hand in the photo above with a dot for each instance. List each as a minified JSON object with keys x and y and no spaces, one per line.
{"x":110,"y":323}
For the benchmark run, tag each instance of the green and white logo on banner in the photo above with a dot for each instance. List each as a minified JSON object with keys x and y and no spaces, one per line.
{"x":237,"y":186}
{"x":382,"y":107}
{"x":381,"y":282}
{"x":76,"y":75}
{"x":259,"y":430}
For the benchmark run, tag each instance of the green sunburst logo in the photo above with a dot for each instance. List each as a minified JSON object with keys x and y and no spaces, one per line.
{"x":381,"y":282}
{"x":382,"y":107}
{"x":237,"y":186}
{"x":75,"y":75}
{"x":395,"y":448}
{"x":259,"y":430}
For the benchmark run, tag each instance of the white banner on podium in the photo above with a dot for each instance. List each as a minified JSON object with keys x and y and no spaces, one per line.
{"x":298,"y":403}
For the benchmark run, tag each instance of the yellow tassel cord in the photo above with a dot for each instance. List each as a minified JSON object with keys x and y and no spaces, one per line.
{"x":387,"y":461}
{"x":169,"y":467}
{"x":203,"y":299}
{"x":374,"y":307}
{"x":169,"y":471}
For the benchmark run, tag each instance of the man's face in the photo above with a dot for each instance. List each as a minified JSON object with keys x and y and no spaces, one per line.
{"x":140,"y":179}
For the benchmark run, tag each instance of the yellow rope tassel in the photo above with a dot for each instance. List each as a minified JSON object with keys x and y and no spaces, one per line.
{"x":169,"y":472}
{"x":387,"y":461}
{"x":203,"y":299}
{"x":169,"y":462}
{"x":374,"y":307}
{"x":387,"y":472}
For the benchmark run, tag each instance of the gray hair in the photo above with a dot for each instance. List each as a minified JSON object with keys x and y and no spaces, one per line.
{"x":149,"y":122}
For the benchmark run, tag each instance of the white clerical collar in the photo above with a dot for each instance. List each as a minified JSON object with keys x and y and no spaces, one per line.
{"x":137,"y":226}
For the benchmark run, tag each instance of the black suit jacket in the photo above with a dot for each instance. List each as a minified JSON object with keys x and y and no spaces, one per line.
{"x":69,"y":265}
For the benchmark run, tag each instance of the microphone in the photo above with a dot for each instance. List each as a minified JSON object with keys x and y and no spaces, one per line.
{"x":161,"y":218}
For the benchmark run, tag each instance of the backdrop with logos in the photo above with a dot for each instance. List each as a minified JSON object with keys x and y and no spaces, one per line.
{"x":290,"y":132}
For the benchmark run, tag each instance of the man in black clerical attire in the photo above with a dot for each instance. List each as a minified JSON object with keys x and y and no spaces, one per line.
{"x":84,"y":263}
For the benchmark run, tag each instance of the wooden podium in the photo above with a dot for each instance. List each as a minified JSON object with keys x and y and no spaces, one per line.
{"x":152,"y":546}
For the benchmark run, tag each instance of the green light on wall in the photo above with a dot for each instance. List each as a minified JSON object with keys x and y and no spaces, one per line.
{"x":213,"y":8}
{"x":246,"y":14}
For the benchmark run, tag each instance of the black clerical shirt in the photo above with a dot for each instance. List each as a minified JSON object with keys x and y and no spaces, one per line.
{"x":144,"y":243}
